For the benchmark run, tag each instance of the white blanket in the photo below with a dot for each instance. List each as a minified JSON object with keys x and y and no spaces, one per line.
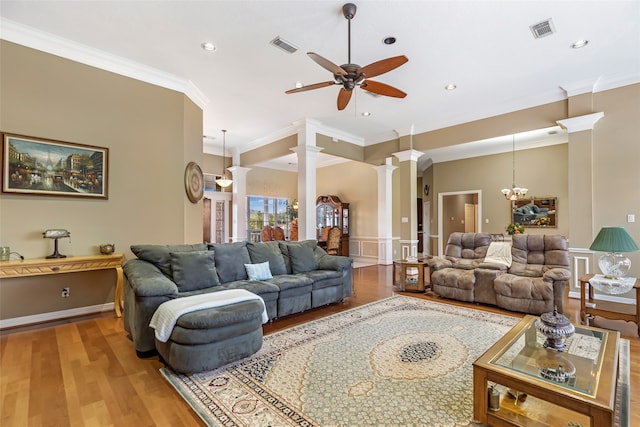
{"x":499,"y":253}
{"x":167,"y":314}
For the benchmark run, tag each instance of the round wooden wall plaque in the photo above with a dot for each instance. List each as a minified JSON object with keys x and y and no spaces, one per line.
{"x":193,"y":182}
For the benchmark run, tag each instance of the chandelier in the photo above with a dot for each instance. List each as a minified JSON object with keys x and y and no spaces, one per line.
{"x":515,"y":192}
{"x":223,"y":181}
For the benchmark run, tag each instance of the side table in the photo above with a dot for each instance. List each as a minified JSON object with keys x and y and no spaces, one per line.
{"x":411,"y":276}
{"x":71,"y":264}
{"x":589,"y":308}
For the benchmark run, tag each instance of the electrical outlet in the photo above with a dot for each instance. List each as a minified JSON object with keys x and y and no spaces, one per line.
{"x":65,"y":292}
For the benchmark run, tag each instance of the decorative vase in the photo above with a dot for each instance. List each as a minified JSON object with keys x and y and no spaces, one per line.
{"x":556,"y":327}
{"x":107,"y":248}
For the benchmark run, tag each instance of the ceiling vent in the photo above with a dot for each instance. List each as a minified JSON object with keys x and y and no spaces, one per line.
{"x":284,"y":45}
{"x":543,"y":29}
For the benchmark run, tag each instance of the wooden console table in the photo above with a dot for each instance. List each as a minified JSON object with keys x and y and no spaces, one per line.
{"x":607,"y":309}
{"x":72,"y":264}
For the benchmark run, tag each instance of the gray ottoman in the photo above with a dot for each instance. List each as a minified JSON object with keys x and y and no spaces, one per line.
{"x":207,"y":339}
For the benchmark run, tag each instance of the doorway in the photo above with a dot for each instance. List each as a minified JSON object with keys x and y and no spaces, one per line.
{"x":452,"y":214}
{"x":215,"y":217}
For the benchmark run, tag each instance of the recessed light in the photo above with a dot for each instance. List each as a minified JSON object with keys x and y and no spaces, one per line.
{"x":580,"y":43}
{"x":366,"y":114}
{"x":389,"y":40}
{"x":450,"y":86}
{"x":208,"y":46}
{"x":298,"y":85}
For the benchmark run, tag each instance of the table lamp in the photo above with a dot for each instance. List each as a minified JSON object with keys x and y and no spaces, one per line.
{"x":613,"y":241}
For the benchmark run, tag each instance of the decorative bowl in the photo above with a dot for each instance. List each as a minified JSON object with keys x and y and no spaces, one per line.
{"x":556,"y":327}
{"x":107,"y":248}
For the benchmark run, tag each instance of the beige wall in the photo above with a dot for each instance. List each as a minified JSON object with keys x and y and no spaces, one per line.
{"x":354,"y":183}
{"x":151,"y":134}
{"x":542,"y":170}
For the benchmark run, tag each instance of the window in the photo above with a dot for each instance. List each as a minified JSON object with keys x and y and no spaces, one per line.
{"x":267,"y":211}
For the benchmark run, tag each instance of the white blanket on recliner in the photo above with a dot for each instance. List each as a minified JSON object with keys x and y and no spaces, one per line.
{"x":168,"y":313}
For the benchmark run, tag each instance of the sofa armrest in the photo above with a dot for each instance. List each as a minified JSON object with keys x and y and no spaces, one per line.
{"x":493,"y":266}
{"x":436,"y":264}
{"x":334,"y":262}
{"x":146,"y":280}
{"x":557,"y":274}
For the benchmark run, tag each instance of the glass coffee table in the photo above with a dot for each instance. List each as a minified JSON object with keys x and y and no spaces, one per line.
{"x":542,"y":387}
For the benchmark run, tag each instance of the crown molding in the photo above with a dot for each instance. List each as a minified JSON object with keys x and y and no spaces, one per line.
{"x":65,"y":48}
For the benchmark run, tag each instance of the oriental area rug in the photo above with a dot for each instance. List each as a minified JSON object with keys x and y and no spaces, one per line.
{"x":401,"y":361}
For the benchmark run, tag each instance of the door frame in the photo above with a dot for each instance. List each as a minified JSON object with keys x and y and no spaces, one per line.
{"x":441,"y":197}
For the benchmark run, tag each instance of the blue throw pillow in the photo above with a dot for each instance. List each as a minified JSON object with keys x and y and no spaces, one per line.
{"x":258,"y":271}
{"x":194,"y":270}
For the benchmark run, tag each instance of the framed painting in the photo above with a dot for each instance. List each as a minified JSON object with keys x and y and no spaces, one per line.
{"x":44,"y":167}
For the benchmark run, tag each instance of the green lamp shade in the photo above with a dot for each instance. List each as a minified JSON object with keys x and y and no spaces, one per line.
{"x":614,"y":240}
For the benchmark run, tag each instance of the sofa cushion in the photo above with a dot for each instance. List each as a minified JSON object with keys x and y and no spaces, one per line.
{"x":230,"y":260}
{"x":304,"y":258}
{"x":194,"y":270}
{"x":268,"y":251}
{"x":159,"y":255}
{"x":258,"y":271}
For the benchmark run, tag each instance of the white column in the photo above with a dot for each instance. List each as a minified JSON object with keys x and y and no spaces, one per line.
{"x":239,"y":203}
{"x":385,"y":212}
{"x":408,"y":202}
{"x":307,"y":162}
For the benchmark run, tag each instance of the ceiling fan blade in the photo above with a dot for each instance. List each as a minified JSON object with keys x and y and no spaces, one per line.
{"x":311,"y":87}
{"x":382,"y":66}
{"x":382,"y":89}
{"x":343,"y":98}
{"x":326,"y":64}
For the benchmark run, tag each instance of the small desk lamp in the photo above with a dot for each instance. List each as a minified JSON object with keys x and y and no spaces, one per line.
{"x":614,"y":240}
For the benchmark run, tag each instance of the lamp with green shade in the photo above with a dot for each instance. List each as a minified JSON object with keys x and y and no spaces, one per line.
{"x":613,"y":241}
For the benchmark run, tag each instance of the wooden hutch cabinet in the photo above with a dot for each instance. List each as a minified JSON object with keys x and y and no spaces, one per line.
{"x":331,"y":211}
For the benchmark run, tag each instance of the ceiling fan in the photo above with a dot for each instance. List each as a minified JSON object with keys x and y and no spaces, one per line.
{"x":352,"y":75}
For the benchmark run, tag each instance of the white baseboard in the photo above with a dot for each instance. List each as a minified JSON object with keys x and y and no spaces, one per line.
{"x":55,"y":315}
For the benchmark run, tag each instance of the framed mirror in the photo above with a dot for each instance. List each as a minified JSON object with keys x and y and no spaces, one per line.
{"x":535,"y":212}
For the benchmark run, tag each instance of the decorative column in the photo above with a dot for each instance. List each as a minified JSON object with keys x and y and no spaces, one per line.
{"x":239,"y":203}
{"x":408,"y":202}
{"x":580,"y":173}
{"x":307,"y":160}
{"x":385,"y":212}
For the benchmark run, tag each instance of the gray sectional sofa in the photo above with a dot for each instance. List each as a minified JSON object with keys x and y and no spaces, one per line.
{"x":303,"y":277}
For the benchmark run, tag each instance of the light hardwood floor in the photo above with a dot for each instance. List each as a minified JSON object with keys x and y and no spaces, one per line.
{"x":84,"y":372}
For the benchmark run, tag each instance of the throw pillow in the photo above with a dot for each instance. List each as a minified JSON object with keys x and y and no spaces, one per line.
{"x":259,"y":271}
{"x":194,"y":270}
{"x":268,"y":251}
{"x":230,"y":260}
{"x":499,"y":253}
{"x":159,"y":255}
{"x":302,"y":259}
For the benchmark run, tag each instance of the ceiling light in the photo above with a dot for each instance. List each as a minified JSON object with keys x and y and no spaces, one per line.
{"x":450,"y":86}
{"x":224,"y":181}
{"x":515,"y":192}
{"x":208,"y":46}
{"x":580,"y":43}
{"x":389,"y":40}
{"x":298,"y":85}
{"x":366,"y":114}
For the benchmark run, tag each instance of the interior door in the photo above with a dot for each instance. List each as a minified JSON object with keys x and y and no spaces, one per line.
{"x":470,"y":218}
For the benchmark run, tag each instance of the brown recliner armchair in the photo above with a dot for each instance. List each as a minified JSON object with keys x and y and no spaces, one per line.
{"x":453,"y":276}
{"x":538,"y":275}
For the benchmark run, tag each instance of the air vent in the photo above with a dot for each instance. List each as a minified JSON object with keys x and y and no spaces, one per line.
{"x":543,"y":29}
{"x":284,"y":45}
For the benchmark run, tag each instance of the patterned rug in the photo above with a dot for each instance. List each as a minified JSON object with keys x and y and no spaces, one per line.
{"x":401,"y":361}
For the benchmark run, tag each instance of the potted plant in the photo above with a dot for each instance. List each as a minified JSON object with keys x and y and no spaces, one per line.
{"x":516,"y":228}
